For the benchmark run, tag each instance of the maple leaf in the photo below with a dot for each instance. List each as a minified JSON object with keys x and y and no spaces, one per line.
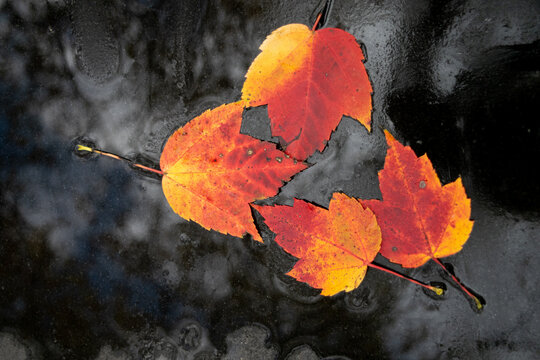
{"x":420,"y":219}
{"x":211,"y":172}
{"x":334,"y":246}
{"x":309,"y":79}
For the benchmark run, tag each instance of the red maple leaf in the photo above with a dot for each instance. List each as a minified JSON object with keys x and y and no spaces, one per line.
{"x":309,"y":79}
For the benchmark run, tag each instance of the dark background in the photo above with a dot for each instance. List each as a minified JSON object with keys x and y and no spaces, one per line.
{"x":95,"y":264}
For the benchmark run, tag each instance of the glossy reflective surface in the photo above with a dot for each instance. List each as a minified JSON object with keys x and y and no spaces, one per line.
{"x":95,"y":264}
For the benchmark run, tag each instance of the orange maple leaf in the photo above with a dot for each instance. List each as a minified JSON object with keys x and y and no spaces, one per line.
{"x":334,"y":246}
{"x":211,"y":172}
{"x":309,"y":79}
{"x":420,"y":219}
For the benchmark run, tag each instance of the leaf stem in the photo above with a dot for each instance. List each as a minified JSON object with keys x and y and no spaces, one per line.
{"x":118,"y":157}
{"x":317,"y":21}
{"x":435,"y":289}
{"x":479,"y":305}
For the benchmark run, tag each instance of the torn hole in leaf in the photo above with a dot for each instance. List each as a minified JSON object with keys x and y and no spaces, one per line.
{"x":256,"y":123}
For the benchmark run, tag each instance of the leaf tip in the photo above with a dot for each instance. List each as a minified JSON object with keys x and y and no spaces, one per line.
{"x":389,"y":137}
{"x":256,"y":207}
{"x":257,"y":237}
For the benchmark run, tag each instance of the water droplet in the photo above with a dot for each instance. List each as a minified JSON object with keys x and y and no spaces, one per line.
{"x":422,"y":184}
{"x":278,"y":159}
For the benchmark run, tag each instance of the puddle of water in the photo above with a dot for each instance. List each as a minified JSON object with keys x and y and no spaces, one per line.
{"x":99,"y":267}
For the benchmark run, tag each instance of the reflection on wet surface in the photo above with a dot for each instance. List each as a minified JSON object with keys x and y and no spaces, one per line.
{"x":95,"y":265}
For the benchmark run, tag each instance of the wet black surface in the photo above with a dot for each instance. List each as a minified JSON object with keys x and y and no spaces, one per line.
{"x":96,"y":265}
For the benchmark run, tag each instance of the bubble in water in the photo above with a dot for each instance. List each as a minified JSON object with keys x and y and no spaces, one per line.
{"x":190,"y":337}
{"x":360,"y":300}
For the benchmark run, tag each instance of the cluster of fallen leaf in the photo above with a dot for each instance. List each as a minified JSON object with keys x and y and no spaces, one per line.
{"x":309,"y":79}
